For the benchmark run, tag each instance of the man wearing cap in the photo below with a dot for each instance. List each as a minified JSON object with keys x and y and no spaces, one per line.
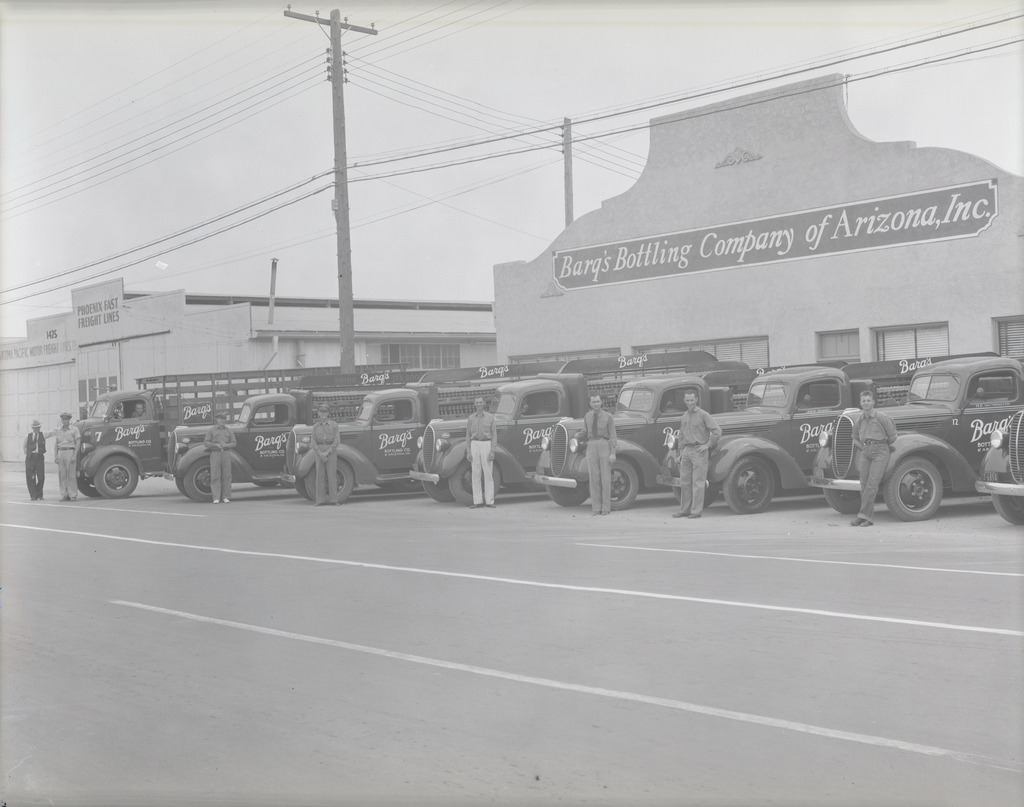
{"x":67,"y":439}
{"x":325,"y":454}
{"x":218,"y":440}
{"x":35,"y":460}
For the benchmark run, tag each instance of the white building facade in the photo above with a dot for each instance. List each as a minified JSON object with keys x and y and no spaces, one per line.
{"x":111,"y":337}
{"x":766,"y":229}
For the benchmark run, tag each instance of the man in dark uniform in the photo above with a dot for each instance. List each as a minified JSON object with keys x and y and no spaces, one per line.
{"x":326,"y":440}
{"x":35,"y":460}
{"x":873,"y":436}
{"x":218,"y":440}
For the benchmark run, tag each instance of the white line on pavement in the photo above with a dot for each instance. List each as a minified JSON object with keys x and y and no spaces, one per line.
{"x":93,"y":508}
{"x":667,"y":703}
{"x":803,"y":560}
{"x":538,"y":584}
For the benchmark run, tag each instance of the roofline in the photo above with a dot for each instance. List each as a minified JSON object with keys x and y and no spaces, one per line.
{"x":324,"y":302}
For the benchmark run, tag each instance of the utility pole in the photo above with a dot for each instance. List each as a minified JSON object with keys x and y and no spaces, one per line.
{"x":567,"y":167}
{"x":346,"y":324}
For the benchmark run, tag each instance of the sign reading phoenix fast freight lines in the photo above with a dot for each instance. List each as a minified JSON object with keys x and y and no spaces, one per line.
{"x":961,"y":211}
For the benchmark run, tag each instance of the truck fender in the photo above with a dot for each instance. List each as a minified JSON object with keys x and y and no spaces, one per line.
{"x":950,"y":462}
{"x":304,"y":465}
{"x":365,"y":471}
{"x":90,"y":463}
{"x":647,"y":465}
{"x":733,"y":449}
{"x":452,"y":459}
{"x":511,"y":470}
{"x":996,"y":461}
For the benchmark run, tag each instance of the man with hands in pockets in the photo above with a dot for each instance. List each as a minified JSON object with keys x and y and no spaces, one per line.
{"x":698,"y":434}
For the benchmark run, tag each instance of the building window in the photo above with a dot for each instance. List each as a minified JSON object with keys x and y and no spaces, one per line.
{"x":1011,"y":337}
{"x":839,"y":346}
{"x":417,"y":356}
{"x":916,"y":341}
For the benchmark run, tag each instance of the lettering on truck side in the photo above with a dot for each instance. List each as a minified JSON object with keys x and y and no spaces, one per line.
{"x":195,"y":412}
{"x":981,"y":428}
{"x":132,"y":436}
{"x":393,"y":445}
{"x":270,"y":445}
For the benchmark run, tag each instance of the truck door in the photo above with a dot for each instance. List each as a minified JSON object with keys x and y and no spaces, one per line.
{"x":814,"y":410}
{"x":391,"y":441}
{"x":137,"y":427}
{"x":538,"y":413}
{"x":991,"y":398}
{"x":263,"y":440}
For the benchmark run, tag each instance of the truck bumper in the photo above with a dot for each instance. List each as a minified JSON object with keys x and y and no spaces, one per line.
{"x":553,"y":481}
{"x":999,"y":488}
{"x":423,"y":476}
{"x":834,"y":484}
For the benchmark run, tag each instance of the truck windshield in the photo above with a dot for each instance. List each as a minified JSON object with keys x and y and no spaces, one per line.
{"x":635,"y":399}
{"x":100,"y":409}
{"x":767,"y":393}
{"x":506,"y":405}
{"x":934,"y":388}
{"x":365,"y":411}
{"x":244,"y":413}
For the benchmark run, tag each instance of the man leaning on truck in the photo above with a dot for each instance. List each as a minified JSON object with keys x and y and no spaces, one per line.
{"x":325,"y":453}
{"x":698,"y":435}
{"x":873,"y":436}
{"x":599,"y":426}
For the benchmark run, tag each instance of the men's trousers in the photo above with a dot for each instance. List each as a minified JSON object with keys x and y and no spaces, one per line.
{"x":693,"y":479}
{"x":35,"y":474}
{"x":327,"y":477}
{"x":479,"y":451}
{"x":599,"y":468}
{"x":874,"y":459}
{"x":220,"y":474}
{"x":67,"y":472}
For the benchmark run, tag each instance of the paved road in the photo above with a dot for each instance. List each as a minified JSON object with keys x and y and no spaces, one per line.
{"x":399,"y":651}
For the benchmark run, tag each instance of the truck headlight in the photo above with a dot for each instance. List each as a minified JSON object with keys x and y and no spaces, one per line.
{"x":574,"y":445}
{"x":823,"y":439}
{"x":671,"y":441}
{"x":419,"y":441}
{"x":441,"y":445}
{"x":997,"y":439}
{"x":545,"y":441}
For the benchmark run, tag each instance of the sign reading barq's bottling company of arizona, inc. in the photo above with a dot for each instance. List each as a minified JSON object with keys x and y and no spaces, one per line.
{"x":960,"y":211}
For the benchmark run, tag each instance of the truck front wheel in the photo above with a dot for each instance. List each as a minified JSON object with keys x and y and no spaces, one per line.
{"x":749,"y":486}
{"x":196,"y":482}
{"x":569,"y":497}
{"x":913,"y":491}
{"x":461,"y":483}
{"x":1010,"y":507}
{"x":846,"y":502}
{"x":116,"y":478}
{"x":625,"y":485}
{"x":346,"y":482}
{"x":438,"y":492}
{"x":87,"y":488}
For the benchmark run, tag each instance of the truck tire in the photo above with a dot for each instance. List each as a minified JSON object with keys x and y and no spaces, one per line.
{"x":179,"y":483}
{"x":196,"y":481}
{"x":749,"y":486}
{"x":1010,"y":507}
{"x":438,"y":492}
{"x":569,"y":497}
{"x":116,"y":478}
{"x":460,"y":485}
{"x":87,"y":488}
{"x":346,"y":482}
{"x":846,"y":502}
{"x":913,"y":491}
{"x":625,"y":485}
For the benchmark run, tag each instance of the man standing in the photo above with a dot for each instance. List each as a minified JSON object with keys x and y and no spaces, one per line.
{"x":325,"y":446}
{"x":218,"y":440}
{"x":873,"y":437}
{"x":599,"y":428}
{"x":35,"y":460}
{"x":481,"y":436}
{"x":698,"y":434}
{"x":67,"y":441}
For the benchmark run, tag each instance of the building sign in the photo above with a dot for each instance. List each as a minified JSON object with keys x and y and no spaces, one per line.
{"x":960,"y":211}
{"x":50,"y":341}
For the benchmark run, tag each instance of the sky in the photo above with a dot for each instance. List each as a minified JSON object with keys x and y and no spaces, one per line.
{"x":128,"y":129}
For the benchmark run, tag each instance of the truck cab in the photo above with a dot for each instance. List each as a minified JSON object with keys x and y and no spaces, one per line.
{"x":944,"y":431}
{"x":377,"y":446}
{"x":526,"y":412}
{"x":646,"y":419}
{"x":124,"y":439}
{"x":261,"y":430}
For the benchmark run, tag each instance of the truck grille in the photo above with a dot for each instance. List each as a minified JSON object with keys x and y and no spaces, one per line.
{"x":1015,"y":446}
{"x":559,"y":448}
{"x":842,"y":447}
{"x":428,"y":447}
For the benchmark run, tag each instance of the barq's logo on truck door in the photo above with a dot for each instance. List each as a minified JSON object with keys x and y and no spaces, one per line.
{"x":981,"y":431}
{"x":532,"y":437}
{"x":393,"y":445}
{"x":271,"y":445}
{"x":133,"y":436}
